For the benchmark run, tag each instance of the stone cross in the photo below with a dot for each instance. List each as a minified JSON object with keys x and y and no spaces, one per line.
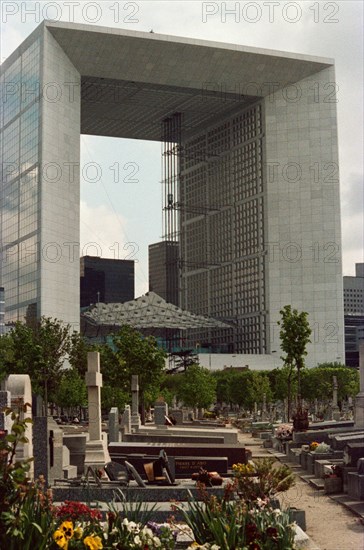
{"x":359,"y":399}
{"x":135,"y":418}
{"x":95,"y":453}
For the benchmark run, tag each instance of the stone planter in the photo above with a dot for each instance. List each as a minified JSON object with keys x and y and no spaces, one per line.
{"x":333,"y":485}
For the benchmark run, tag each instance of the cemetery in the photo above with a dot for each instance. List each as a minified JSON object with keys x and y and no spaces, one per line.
{"x":152,"y":481}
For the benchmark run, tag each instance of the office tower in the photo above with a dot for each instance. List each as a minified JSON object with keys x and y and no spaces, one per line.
{"x":250,"y":173}
{"x":106,"y":280}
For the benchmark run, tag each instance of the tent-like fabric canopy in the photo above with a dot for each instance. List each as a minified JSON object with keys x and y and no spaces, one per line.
{"x":148,"y":311}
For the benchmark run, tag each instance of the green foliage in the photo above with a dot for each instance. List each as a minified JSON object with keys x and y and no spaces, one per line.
{"x":225,"y":381}
{"x":232,"y":524}
{"x":25,"y":520}
{"x":243,"y":388}
{"x":112,"y":396}
{"x":39,"y":350}
{"x":79,"y":348}
{"x":197,"y":388}
{"x":279,"y":382}
{"x":71,"y":391}
{"x":6,"y":355}
{"x":317,"y":382}
{"x":260,"y":479}
{"x":130,"y":353}
{"x":295,"y":335}
{"x":138,"y":511}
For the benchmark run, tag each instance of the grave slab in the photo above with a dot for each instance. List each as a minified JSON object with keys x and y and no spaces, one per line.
{"x":234,"y":453}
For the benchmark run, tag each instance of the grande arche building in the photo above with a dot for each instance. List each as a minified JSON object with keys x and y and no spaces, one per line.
{"x":250,"y":174}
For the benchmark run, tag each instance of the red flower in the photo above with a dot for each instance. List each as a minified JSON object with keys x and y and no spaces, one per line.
{"x":272,"y":533}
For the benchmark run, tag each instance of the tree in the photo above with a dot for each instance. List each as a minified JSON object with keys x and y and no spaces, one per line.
{"x":248,"y":387}
{"x":40,"y":351}
{"x":6,"y":355}
{"x":71,"y":391}
{"x":130,"y":353}
{"x":198,"y":387}
{"x":79,"y":347}
{"x":295,"y":335}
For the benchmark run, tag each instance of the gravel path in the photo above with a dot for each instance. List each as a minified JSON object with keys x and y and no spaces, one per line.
{"x":329,"y":524}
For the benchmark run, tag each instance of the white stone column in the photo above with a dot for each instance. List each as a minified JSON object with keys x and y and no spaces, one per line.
{"x":95,"y":454}
{"x":359,"y":400}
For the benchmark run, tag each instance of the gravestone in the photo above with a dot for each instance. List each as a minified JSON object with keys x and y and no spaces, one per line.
{"x":359,"y":399}
{"x":135,"y":418}
{"x":114,"y":433}
{"x":177,"y":415}
{"x":95,"y":455}
{"x":160,"y":412}
{"x":20,"y":390}
{"x":48,"y":448}
{"x":126,"y":420}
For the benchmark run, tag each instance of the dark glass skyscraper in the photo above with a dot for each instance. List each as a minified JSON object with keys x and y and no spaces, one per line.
{"x":106,"y":280}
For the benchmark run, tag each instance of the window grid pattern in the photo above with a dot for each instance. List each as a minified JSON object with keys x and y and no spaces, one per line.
{"x":229,"y":234}
{"x":19,"y":192}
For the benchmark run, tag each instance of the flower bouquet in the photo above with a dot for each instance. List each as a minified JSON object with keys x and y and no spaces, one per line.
{"x":284,"y":432}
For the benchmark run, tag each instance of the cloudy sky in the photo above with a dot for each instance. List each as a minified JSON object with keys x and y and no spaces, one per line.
{"x":123,"y":217}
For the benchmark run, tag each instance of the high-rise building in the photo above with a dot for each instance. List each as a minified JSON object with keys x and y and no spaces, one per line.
{"x":250,"y":174}
{"x":163,"y":270}
{"x":106,"y":280}
{"x":354,"y":314}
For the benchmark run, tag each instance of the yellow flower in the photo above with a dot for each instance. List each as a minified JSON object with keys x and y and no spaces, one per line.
{"x":60,"y":539}
{"x":67,"y":529}
{"x":93,"y":542}
{"x":78,"y":532}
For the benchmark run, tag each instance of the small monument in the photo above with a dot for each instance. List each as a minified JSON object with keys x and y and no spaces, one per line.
{"x":160,"y":412}
{"x":135,"y":418}
{"x":114,"y":434}
{"x":95,"y":454}
{"x":126,"y":420}
{"x":335,"y":408}
{"x":359,"y":399}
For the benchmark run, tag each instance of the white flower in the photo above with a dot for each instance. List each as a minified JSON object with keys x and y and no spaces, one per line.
{"x":215,"y":547}
{"x":148,"y":532}
{"x":137,"y":540}
{"x":125,"y":522}
{"x":157,"y":542}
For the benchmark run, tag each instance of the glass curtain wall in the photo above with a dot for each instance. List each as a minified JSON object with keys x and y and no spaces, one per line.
{"x":20,"y":134}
